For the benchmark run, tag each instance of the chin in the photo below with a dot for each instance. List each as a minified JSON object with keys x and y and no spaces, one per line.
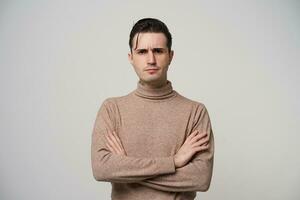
{"x":151,"y":80}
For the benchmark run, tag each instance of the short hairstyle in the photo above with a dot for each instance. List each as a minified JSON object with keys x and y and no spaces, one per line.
{"x":150,"y":25}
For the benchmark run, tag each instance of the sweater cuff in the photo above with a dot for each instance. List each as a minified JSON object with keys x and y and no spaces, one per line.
{"x":167,"y":164}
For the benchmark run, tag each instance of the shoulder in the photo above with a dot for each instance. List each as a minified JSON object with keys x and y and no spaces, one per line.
{"x":115,"y":100}
{"x":195,"y":104}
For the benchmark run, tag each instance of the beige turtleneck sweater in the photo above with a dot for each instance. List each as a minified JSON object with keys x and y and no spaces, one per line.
{"x":152,"y":125}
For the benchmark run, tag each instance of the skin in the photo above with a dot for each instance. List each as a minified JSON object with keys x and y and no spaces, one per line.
{"x":152,"y":52}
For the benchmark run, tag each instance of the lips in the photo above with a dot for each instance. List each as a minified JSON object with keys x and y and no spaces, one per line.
{"x":152,"y":69}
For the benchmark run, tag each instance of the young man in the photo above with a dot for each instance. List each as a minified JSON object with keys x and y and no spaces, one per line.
{"x":152,"y":143}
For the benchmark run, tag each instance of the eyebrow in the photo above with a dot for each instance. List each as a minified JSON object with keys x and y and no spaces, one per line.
{"x":157,"y":48}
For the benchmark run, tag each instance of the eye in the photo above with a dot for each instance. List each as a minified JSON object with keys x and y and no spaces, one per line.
{"x":142,"y":51}
{"x":159,"y":51}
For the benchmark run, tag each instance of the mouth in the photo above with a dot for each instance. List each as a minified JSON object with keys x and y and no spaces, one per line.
{"x":152,"y":70}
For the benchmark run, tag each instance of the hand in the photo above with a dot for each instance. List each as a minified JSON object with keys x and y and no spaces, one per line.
{"x":114,"y":144}
{"x":195,"y":142}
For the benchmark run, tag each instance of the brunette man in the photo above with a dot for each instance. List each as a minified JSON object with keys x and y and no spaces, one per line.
{"x":152,"y":143}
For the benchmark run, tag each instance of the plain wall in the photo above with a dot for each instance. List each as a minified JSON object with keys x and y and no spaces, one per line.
{"x":60,"y":59}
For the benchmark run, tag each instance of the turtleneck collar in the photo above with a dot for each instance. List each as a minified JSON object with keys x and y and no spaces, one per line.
{"x":164,"y":92}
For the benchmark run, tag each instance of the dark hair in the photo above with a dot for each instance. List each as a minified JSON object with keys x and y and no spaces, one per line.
{"x":151,"y":25}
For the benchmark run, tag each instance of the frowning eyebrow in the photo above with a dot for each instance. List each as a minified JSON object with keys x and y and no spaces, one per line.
{"x":153,"y":50}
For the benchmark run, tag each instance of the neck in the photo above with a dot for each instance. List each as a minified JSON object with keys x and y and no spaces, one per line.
{"x":161,"y":91}
{"x":153,"y":85}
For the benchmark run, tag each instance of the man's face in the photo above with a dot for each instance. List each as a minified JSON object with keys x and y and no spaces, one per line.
{"x":151,"y":57}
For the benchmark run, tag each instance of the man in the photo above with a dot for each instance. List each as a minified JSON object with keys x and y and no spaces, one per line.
{"x":152,"y":143}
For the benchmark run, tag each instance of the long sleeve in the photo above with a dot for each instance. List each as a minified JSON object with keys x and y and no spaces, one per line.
{"x":110,"y":167}
{"x":197,"y":174}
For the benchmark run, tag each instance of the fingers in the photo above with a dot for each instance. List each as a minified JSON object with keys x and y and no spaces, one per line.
{"x":193,"y":134}
{"x":111,"y":149}
{"x":114,"y":143}
{"x":111,"y":143}
{"x":199,"y":141}
{"x":198,"y":137}
{"x":120,"y":145}
{"x":201,"y":148}
{"x":202,"y":142}
{"x":117,"y":139}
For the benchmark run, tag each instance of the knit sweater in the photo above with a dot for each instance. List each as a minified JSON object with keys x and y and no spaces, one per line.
{"x":152,"y":125}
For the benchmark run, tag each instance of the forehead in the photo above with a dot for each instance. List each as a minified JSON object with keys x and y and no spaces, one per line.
{"x":150,"y":40}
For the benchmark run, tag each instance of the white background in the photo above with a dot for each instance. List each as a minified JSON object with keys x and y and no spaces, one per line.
{"x":60,"y":59}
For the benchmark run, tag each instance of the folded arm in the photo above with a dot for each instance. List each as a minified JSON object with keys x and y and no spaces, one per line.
{"x":110,"y":167}
{"x":197,"y":174}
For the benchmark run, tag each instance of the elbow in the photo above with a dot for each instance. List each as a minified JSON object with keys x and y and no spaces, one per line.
{"x":204,"y":187}
{"x":98,"y":174}
{"x":99,"y":178}
{"x":99,"y":171}
{"x":204,"y":183}
{"x":99,"y":168}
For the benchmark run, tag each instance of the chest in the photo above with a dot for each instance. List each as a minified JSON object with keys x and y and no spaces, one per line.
{"x":155,"y":131}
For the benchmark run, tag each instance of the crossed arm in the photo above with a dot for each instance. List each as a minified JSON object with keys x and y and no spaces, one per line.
{"x":189,"y":170}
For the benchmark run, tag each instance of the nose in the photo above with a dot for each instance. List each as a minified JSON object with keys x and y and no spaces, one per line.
{"x":151,"y":58}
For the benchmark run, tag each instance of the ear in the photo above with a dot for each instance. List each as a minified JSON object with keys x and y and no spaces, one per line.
{"x":171,"y":56}
{"x":130,"y":58}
